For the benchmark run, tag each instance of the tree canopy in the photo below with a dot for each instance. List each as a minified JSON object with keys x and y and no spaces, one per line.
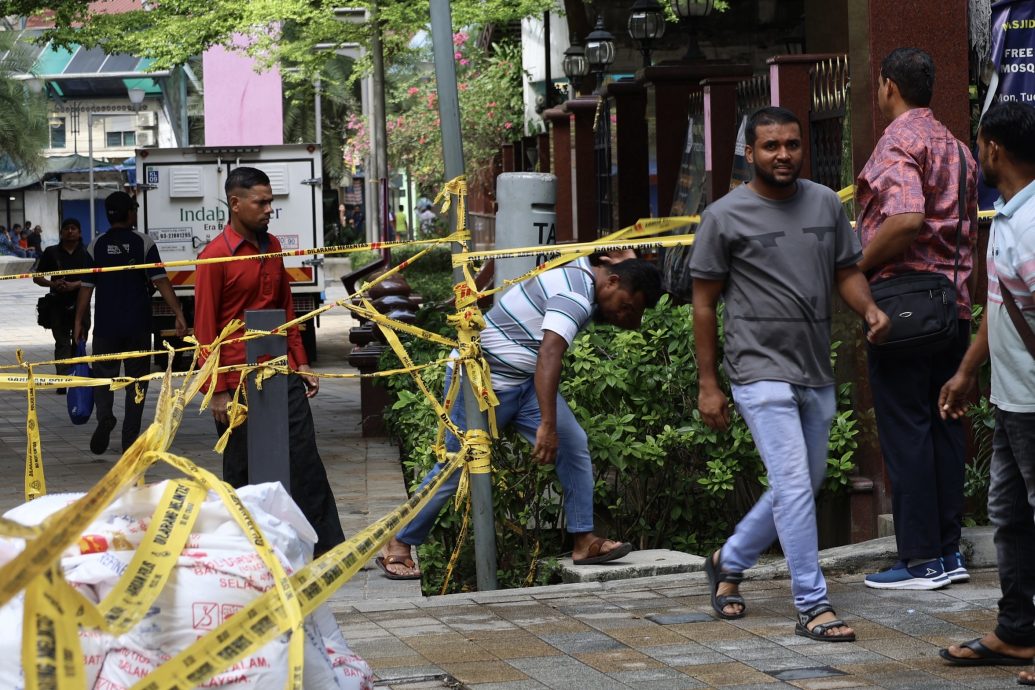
{"x":284,"y":32}
{"x":23,"y":119}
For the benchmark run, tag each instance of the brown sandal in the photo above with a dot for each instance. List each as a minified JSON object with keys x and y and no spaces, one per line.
{"x":595,"y":556}
{"x":384,"y":561}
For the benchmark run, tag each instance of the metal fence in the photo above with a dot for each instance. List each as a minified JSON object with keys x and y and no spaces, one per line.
{"x":752,"y":94}
{"x":829,"y":84}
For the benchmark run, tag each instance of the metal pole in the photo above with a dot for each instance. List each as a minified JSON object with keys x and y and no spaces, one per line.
{"x":318,"y":108}
{"x":547,"y":76}
{"x":89,"y":145}
{"x":378,"y":126}
{"x":452,"y":145}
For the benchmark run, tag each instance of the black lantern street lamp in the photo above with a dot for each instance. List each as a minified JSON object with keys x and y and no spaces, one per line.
{"x":574,"y":65}
{"x":688,"y":11}
{"x":600,"y":51}
{"x":646,"y":25}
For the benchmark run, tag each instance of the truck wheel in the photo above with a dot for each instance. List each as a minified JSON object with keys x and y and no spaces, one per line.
{"x":308,"y":332}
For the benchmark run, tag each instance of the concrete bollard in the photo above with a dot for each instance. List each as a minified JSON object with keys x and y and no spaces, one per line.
{"x":268,"y":459}
{"x":527,"y":217}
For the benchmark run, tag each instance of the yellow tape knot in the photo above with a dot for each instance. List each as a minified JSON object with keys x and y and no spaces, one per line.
{"x":457,"y":187}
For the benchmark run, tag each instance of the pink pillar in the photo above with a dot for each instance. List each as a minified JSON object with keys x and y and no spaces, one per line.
{"x":242,"y":107}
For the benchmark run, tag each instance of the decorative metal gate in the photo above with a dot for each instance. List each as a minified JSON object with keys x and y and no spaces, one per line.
{"x":829,"y":85}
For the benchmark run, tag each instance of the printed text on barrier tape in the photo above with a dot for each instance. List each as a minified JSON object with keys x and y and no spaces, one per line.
{"x":138,"y":458}
{"x":253,"y":626}
{"x":344,"y":249}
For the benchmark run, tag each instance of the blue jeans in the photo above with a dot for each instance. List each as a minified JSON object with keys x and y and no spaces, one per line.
{"x":518,"y":405}
{"x":791,"y":428}
{"x":1011,"y":504}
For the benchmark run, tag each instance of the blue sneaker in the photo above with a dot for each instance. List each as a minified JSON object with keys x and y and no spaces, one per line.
{"x":955,"y":568}
{"x":929,"y":575}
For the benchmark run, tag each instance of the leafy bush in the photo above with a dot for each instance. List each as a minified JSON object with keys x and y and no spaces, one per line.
{"x":663,"y":479}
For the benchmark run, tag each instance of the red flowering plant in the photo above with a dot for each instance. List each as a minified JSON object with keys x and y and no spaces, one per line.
{"x":489,"y":85}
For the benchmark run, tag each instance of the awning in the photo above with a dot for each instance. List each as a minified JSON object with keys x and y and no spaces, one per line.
{"x":55,"y":166}
{"x":79,"y":72}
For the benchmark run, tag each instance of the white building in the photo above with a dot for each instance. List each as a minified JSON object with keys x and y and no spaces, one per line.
{"x":111,"y":104}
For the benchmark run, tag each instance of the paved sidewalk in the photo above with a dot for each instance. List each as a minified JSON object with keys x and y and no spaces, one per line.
{"x":364,"y":473}
{"x":648,"y":633}
{"x":659,"y":632}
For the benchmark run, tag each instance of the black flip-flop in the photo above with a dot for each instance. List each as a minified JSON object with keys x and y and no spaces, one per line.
{"x":614,"y":554}
{"x":985,"y":657}
{"x":720,"y":601}
{"x":1025,"y":682}
{"x":384,"y":561}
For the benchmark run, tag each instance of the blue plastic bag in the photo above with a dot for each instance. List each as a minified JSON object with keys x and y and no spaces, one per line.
{"x":80,"y":398}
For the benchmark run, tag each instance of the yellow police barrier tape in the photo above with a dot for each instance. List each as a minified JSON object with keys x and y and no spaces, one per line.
{"x":181,"y":263}
{"x":53,"y":637}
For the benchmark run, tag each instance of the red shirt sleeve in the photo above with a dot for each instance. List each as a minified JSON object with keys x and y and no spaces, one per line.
{"x":208,"y":284}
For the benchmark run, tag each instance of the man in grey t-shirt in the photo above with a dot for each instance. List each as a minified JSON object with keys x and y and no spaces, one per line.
{"x":773,"y":250}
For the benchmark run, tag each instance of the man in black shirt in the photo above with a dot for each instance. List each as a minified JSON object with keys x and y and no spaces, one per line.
{"x":122,"y":315}
{"x":69,"y":254}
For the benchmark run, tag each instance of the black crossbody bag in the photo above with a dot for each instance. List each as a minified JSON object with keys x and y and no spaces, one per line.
{"x":922,"y":304}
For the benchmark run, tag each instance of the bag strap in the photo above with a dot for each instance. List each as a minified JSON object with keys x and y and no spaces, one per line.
{"x":961,"y":214}
{"x":1019,"y":322}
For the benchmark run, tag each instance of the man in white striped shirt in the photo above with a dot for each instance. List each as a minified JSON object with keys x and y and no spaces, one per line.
{"x":525,"y":337}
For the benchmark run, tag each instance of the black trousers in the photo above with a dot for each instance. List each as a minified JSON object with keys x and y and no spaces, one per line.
{"x":62,"y":327}
{"x":923,"y":453}
{"x":104,"y":398}
{"x":1011,"y":506}
{"x":309,"y":485}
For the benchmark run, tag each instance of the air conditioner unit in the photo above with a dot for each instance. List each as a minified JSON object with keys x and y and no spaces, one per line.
{"x":145,"y":138}
{"x":147,"y":118}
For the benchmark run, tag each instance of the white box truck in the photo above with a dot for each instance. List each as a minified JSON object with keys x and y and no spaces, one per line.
{"x":183,"y":208}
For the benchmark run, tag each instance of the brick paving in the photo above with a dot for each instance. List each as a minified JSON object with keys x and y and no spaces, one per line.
{"x":655,"y":632}
{"x":659,"y":632}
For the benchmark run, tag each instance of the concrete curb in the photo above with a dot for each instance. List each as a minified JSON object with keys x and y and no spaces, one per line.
{"x":853,"y":559}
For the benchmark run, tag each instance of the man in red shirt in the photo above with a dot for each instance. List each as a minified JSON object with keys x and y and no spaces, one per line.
{"x":908,"y":196}
{"x":223,"y":292}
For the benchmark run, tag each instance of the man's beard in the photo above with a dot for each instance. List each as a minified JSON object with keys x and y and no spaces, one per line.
{"x":773,"y":181}
{"x":262,"y":234}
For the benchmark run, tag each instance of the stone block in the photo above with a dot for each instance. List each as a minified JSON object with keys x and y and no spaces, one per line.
{"x":978,"y":547}
{"x":886,"y":525}
{"x":12,"y":265}
{"x":647,"y":563}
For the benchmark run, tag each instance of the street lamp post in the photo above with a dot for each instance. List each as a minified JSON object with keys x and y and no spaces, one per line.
{"x":646,"y":25}
{"x":136,"y":98}
{"x":600,"y":51}
{"x":575,"y":66}
{"x":688,"y":11}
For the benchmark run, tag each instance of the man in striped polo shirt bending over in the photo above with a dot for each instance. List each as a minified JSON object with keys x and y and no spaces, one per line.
{"x":526,"y":335}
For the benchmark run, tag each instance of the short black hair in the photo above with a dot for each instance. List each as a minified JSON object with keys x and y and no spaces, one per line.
{"x":638,"y":275}
{"x":244,"y":177}
{"x":1011,"y":125}
{"x":912,"y":70}
{"x":118,"y":206}
{"x":769,"y":115}
{"x":71,"y":221}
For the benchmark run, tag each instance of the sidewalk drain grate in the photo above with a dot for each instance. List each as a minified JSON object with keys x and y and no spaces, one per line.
{"x":804,"y":673}
{"x":679,"y":618}
{"x":433,"y":682}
